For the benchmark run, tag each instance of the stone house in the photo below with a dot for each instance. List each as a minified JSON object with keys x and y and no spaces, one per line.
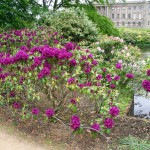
{"x":134,"y":14}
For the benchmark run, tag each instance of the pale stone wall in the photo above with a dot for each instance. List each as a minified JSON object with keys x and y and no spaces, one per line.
{"x":129,"y":14}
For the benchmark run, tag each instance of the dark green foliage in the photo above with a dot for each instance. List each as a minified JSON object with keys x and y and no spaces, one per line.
{"x":104,"y":24}
{"x":56,"y":4}
{"x":17,"y":13}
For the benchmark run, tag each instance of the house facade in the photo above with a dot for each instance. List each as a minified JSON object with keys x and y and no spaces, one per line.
{"x":134,"y":14}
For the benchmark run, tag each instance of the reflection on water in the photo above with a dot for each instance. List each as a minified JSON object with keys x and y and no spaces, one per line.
{"x":142,"y":103}
{"x":145,"y":49}
{"x":142,"y":106}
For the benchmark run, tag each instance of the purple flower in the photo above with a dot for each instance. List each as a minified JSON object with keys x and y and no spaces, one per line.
{"x":44,"y":72}
{"x":96,"y":127}
{"x":49,"y":112}
{"x":56,"y":41}
{"x":21,"y":80}
{"x":87,"y":70}
{"x":16,"y":105}
{"x":21,"y":55}
{"x":37,"y":61}
{"x":70,"y":46}
{"x":73,"y":62}
{"x":83,"y":57}
{"x":116,"y":78}
{"x":109,"y":79}
{"x":98,"y":84}
{"x":114,"y":111}
{"x":94,"y":62}
{"x":112,"y":86}
{"x":90,"y":56}
{"x":47,"y":65}
{"x":87,"y":51}
{"x":148,"y":72}
{"x":88,"y":84}
{"x":73,"y":101}
{"x":81,"y":85}
{"x":71,"y":80}
{"x":108,"y":76}
{"x":130,"y":75}
{"x":75,"y":122}
{"x":12,"y":94}
{"x":118,"y":65}
{"x":146,"y":85}
{"x":104,"y":69}
{"x":35,"y":111}
{"x":99,"y":77}
{"x":108,"y":123}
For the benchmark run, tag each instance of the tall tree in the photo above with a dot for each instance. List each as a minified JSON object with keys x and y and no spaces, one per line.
{"x":56,"y":4}
{"x":17,"y":13}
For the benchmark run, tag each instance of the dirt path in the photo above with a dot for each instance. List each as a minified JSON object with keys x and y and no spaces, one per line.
{"x":12,"y":142}
{"x":9,"y":141}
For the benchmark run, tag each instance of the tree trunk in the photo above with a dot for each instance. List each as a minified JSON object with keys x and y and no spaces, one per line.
{"x":55,"y":5}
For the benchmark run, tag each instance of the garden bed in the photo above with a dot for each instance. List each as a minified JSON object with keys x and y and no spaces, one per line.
{"x":60,"y":137}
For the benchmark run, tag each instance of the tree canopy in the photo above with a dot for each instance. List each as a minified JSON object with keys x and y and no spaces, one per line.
{"x":17,"y":13}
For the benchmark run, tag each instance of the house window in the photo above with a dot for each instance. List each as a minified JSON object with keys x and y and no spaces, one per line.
{"x":113,"y":16}
{"x":140,"y":16}
{"x":122,"y":23}
{"x":128,"y":24}
{"x":134,"y":7}
{"x":129,"y":8}
{"x":129,"y":16}
{"x":118,"y":16}
{"x":123,"y":16}
{"x":148,"y":22}
{"x":139,"y":24}
{"x":117,"y":23}
{"x":134,"y":16}
{"x":134,"y":24}
{"x":118,"y":8}
{"x":140,"y":8}
{"x":113,"y":8}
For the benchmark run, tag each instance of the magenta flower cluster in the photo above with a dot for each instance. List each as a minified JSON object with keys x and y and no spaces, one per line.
{"x":75,"y":122}
{"x":108,"y":123}
{"x":146,"y":85}
{"x":148,"y":72}
{"x":114,"y":111}
{"x":73,"y":101}
{"x":95,"y":126}
{"x":118,"y":66}
{"x":44,"y":72}
{"x":117,"y":78}
{"x":71,"y":80}
{"x":130,"y":75}
{"x":16,"y":105}
{"x":35,"y":111}
{"x":108,"y":78}
{"x":49,"y":112}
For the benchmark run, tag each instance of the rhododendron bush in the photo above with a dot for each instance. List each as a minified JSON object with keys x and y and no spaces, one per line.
{"x":46,"y":79}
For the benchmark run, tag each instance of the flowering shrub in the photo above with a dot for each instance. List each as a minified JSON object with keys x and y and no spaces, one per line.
{"x":73,"y":23}
{"x":136,"y":36}
{"x":47,"y":79}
